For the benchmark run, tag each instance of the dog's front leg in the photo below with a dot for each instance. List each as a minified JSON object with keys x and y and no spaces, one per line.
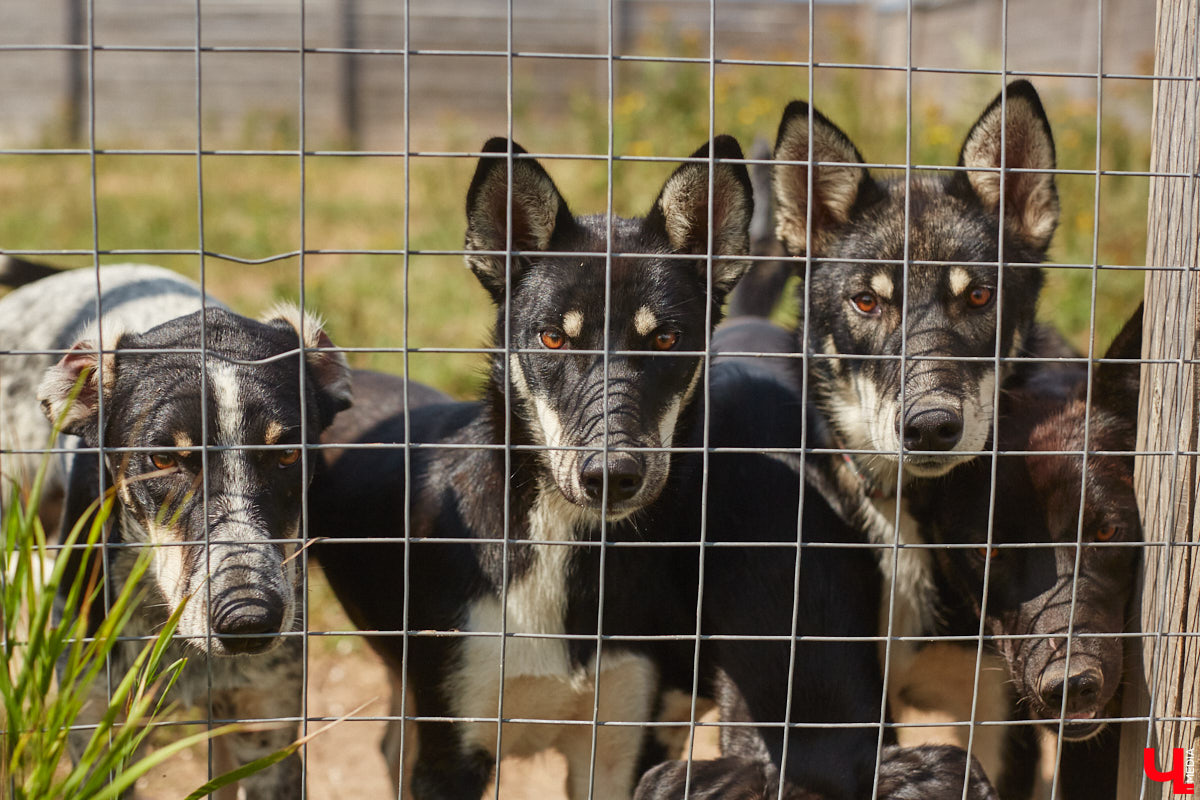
{"x":273,"y":707}
{"x":628,"y":687}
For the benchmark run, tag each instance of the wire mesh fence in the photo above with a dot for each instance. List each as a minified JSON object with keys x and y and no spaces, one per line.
{"x":877,"y":499}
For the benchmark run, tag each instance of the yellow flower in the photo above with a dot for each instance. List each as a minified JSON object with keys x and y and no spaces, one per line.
{"x":641,"y":147}
{"x":630,"y":103}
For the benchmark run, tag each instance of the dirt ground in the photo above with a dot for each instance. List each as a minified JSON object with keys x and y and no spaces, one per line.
{"x":346,"y":761}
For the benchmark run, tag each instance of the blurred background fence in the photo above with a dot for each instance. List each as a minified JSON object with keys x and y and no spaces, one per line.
{"x":354,"y":77}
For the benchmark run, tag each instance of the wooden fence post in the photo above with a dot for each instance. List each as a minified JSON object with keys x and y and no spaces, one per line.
{"x":1166,"y":684}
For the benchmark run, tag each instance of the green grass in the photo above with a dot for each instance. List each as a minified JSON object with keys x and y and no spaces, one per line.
{"x":51,"y":666}
{"x":253,"y":205}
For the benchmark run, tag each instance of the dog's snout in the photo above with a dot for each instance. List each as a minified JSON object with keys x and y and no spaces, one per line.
{"x":249,"y":623}
{"x":1081,"y":689}
{"x":930,"y":428}
{"x":625,"y":476}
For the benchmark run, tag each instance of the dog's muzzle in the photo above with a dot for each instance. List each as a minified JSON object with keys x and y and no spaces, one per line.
{"x":249,"y":597}
{"x":248,"y":621}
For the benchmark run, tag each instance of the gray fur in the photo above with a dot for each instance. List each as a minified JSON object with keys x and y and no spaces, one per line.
{"x":51,"y":315}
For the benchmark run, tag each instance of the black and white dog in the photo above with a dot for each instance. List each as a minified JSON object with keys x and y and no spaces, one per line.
{"x":203,"y":418}
{"x":1061,"y":559}
{"x":497,"y":583}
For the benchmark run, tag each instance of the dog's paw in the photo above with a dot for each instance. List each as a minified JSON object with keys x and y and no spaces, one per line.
{"x":729,"y":778}
{"x":931,"y":772}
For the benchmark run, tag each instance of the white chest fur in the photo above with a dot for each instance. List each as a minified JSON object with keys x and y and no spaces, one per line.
{"x":535,"y":673}
{"x":907,"y":571}
{"x":930,"y":689}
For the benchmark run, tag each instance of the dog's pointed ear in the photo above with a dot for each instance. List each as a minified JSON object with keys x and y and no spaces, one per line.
{"x":836,"y":187}
{"x":1030,"y":198}
{"x":682,"y":211}
{"x":538,"y":211}
{"x":70,"y":391}
{"x":1116,"y":385}
{"x":326,"y":366}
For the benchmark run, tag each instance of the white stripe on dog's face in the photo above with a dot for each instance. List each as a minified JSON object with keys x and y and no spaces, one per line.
{"x":231,"y":422}
{"x":549,"y":427}
{"x":978,"y":411}
{"x":666,"y":427}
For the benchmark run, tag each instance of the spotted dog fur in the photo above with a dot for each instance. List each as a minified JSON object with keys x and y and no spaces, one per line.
{"x":209,"y":475}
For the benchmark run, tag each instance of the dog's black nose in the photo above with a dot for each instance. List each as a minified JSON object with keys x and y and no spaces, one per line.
{"x":248,"y":625}
{"x":624,"y":477}
{"x":931,"y":429}
{"x":1082,"y":690}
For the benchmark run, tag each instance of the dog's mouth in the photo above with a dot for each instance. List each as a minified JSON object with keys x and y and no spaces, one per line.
{"x":1078,"y":728}
{"x":926,"y":466}
{"x":613,"y":510}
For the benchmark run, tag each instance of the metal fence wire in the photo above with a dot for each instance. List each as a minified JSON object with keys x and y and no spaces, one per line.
{"x":321,"y":153}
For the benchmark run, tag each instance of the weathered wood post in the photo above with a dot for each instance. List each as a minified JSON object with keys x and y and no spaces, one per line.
{"x":1165,"y":686}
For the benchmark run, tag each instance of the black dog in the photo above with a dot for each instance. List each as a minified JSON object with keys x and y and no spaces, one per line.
{"x":596,"y":377}
{"x":1077,"y":580}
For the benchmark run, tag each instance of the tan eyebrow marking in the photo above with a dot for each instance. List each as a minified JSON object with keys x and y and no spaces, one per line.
{"x":273,"y":433}
{"x":573,"y":323}
{"x":184,"y":443}
{"x":881,"y":284}
{"x":644,"y":321}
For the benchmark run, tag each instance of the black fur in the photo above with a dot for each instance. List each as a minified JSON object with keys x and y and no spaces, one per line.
{"x":1030,"y":590}
{"x":791,"y":610}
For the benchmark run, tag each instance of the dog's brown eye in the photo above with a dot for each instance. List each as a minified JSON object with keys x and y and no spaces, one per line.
{"x":866,"y":302}
{"x":665,"y":340}
{"x":979,"y":297}
{"x":986,"y":553}
{"x":289,"y":456}
{"x":552,"y":339}
{"x":1107,"y":533}
{"x":163,"y":460}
